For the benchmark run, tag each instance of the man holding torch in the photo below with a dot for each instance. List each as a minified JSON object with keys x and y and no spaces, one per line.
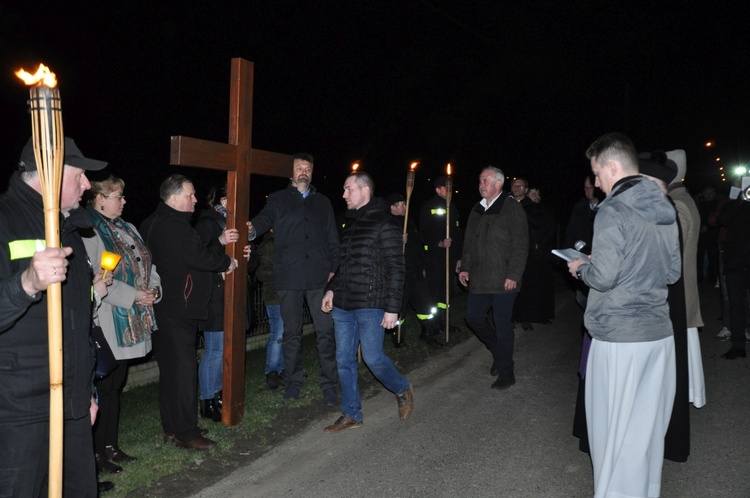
{"x":27,"y":268}
{"x":432,"y":229}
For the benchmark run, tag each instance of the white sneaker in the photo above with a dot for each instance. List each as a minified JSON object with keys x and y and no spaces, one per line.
{"x":724,"y":334}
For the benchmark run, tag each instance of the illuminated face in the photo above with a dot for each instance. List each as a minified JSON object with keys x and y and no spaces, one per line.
{"x":489,"y":185}
{"x":302,"y":174}
{"x":111,"y":205}
{"x":398,"y":209}
{"x":441,"y":191}
{"x":185,"y":199}
{"x":354,"y":195}
{"x":74,"y":184}
{"x":518,"y":188}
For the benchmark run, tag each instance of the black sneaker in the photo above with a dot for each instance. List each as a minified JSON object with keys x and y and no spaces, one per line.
{"x":291,"y":394}
{"x":504,"y":381}
{"x":330,"y":398}
{"x":273,"y":381}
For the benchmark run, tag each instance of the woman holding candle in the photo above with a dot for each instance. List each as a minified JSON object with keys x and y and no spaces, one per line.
{"x":126,"y":314}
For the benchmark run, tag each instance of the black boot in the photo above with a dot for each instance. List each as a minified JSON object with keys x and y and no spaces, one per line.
{"x":209,"y":409}
{"x":429,"y":332}
{"x":219,"y":400}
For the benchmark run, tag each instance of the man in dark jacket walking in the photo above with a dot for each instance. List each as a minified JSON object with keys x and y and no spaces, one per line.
{"x":305,"y":256}
{"x":185,"y":265}
{"x":27,"y":268}
{"x":494,"y":257}
{"x":364,"y":297}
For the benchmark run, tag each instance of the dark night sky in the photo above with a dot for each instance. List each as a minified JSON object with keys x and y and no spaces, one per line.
{"x":525,"y":86}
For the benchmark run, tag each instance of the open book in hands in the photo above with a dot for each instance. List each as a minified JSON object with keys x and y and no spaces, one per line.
{"x":569,"y":254}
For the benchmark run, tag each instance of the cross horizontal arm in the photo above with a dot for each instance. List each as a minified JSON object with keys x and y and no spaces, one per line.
{"x":197,"y":153}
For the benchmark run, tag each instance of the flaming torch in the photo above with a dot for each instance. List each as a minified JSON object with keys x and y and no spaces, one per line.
{"x":109,"y":262}
{"x":48,"y":141}
{"x":355,"y":167}
{"x":448,"y":195}
{"x":409,"y":189}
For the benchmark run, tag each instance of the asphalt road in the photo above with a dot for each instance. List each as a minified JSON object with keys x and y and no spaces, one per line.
{"x":465,"y":439}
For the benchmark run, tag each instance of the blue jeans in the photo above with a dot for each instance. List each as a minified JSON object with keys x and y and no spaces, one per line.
{"x":362,"y":326}
{"x":500,"y":338}
{"x":210,"y":370}
{"x":274,"y":349}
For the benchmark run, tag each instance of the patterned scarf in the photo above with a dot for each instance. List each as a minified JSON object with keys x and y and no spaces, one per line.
{"x":133,"y":325}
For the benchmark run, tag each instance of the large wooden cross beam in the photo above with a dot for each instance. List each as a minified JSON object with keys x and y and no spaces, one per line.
{"x":239,"y":160}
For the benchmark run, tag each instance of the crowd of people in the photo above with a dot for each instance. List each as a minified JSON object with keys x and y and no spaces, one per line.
{"x":648,"y":245}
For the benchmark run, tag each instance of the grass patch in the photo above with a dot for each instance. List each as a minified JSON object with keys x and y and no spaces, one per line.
{"x":164,"y":470}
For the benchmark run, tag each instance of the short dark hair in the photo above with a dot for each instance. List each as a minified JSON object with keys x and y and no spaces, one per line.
{"x":364,"y":180}
{"x":172,"y":185}
{"x":617,"y":146}
{"x":303,"y":156}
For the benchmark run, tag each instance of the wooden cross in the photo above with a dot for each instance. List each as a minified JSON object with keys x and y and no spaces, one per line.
{"x":239,"y":160}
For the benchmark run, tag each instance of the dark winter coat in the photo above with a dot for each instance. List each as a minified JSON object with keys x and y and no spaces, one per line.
{"x":183,"y":261}
{"x":496,"y":246}
{"x":306,"y":251}
{"x":371,"y":273}
{"x":24,"y":359}
{"x":736,"y":217}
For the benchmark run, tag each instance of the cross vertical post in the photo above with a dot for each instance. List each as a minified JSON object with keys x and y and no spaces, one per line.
{"x":239,"y":160}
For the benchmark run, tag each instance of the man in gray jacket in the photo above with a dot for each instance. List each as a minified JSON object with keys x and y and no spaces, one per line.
{"x":494,"y":256}
{"x":630,"y":376}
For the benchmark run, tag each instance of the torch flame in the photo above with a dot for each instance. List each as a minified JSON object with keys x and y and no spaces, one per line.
{"x":448,"y":169}
{"x":413,"y":166}
{"x":355,"y":167}
{"x":42,"y":77}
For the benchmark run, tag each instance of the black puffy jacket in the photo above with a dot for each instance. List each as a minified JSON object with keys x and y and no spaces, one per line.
{"x":371,"y":272}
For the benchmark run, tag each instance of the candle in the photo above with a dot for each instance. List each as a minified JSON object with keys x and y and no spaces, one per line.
{"x":109,"y":262}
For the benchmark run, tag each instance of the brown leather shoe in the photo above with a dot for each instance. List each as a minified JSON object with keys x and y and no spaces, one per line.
{"x":199,"y":443}
{"x":342,"y":423}
{"x":405,"y":403}
{"x":170,"y":438}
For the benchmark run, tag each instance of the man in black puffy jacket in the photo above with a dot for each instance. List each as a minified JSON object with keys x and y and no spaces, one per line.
{"x":365,"y":298}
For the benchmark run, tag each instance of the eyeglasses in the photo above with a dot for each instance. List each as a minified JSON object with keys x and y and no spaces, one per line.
{"x":118,"y":197}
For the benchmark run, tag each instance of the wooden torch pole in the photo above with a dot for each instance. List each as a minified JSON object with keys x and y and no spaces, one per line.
{"x":48,"y":140}
{"x":409,"y":190}
{"x":448,"y":195}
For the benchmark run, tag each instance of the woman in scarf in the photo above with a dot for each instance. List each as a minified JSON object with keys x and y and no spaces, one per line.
{"x":126,"y":314}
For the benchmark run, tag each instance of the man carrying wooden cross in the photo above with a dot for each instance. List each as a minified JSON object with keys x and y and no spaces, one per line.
{"x":305,"y":258}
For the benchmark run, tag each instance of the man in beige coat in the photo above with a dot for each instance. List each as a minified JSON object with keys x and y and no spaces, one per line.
{"x":690,"y":221}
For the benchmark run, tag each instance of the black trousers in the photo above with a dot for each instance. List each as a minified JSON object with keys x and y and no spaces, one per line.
{"x":108,"y":417}
{"x":290,"y":303}
{"x":738,"y":285}
{"x":174,"y":347}
{"x":24,"y":459}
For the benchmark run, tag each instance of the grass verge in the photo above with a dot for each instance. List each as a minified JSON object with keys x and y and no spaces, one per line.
{"x":163,"y":470}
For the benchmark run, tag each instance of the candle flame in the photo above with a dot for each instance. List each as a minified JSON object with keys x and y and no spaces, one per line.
{"x":355,"y":167}
{"x":110,"y":260}
{"x":448,"y":169}
{"x":413,"y":166}
{"x":42,"y":77}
